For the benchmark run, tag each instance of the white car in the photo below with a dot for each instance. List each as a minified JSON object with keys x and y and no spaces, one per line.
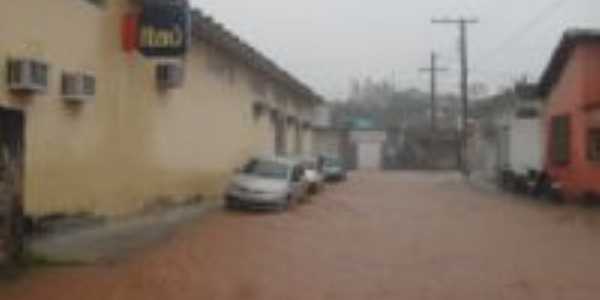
{"x":267,"y":183}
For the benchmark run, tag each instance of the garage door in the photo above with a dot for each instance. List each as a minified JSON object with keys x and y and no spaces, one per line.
{"x":369,"y":156}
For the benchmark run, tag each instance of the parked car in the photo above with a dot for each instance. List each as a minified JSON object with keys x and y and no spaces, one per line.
{"x":313,"y":167}
{"x":268,"y":183}
{"x":333,"y":169}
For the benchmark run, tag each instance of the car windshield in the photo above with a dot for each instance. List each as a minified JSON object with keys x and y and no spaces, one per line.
{"x":266,"y":169}
{"x":330,"y":162}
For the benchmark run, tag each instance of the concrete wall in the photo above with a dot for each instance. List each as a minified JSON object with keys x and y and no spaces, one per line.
{"x":327,"y":141}
{"x":132,"y":144}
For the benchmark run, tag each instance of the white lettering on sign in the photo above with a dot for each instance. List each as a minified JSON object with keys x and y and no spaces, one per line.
{"x":162,"y":38}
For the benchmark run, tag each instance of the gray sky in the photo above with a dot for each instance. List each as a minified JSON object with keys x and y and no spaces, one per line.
{"x":326,"y":43}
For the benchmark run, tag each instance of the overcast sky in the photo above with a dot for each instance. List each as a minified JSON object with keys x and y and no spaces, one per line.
{"x":326,"y":43}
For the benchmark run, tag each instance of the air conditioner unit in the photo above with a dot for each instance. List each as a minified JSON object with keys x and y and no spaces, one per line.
{"x":169,"y":75}
{"x":78,"y":87}
{"x":27,"y":75}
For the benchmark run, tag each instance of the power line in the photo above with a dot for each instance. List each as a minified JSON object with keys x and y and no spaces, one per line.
{"x":517,"y":34}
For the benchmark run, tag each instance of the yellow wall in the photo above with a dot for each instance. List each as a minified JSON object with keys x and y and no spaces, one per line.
{"x":132,"y":144}
{"x":327,"y":141}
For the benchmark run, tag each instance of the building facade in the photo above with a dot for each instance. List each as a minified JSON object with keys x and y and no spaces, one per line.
{"x":327,"y":139}
{"x":130,"y":141}
{"x":507,"y":141}
{"x":572,"y":114}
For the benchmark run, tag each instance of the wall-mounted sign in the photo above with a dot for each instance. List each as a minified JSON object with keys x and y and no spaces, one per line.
{"x":164,"y":30}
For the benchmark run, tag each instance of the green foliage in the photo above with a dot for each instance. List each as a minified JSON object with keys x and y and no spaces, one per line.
{"x":100,"y":3}
{"x":30,"y":259}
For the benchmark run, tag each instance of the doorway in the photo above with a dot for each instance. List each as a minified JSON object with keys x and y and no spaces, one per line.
{"x":280,"y":134}
{"x":12,"y":157}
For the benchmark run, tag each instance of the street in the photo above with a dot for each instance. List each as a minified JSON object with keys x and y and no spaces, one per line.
{"x":405,"y":235}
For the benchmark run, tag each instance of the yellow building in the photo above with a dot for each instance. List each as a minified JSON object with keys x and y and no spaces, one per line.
{"x":132,"y":142}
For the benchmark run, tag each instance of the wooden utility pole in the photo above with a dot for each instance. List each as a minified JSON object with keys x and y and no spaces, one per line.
{"x":464,"y":82}
{"x":433,"y":70}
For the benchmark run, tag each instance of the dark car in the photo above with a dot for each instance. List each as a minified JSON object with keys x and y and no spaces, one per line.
{"x":333,"y":169}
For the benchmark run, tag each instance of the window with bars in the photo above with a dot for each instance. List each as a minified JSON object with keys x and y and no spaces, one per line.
{"x":560,"y":140}
{"x":594,"y":144}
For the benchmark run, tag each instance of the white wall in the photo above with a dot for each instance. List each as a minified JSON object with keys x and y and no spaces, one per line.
{"x":369,"y":145}
{"x":526,"y":145}
{"x":369,"y":156}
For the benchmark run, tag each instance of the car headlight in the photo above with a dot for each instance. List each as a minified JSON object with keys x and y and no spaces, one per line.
{"x":275,"y":193}
{"x":280,"y":192}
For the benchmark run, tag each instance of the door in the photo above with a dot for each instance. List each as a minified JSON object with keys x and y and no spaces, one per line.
{"x":369,"y":156}
{"x":299,"y":142}
{"x":11,"y":183}
{"x":280,"y":136}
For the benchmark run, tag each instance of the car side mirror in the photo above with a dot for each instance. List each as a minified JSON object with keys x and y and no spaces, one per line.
{"x":297,"y":176}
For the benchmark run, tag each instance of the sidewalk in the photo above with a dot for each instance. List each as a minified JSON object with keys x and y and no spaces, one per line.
{"x":115,"y":239}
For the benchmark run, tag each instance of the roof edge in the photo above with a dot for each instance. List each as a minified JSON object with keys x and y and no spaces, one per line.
{"x":205,"y":28}
{"x":570,"y":39}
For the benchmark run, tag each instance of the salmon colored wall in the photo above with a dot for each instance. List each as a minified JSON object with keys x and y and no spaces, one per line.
{"x":591,"y":55}
{"x":577,"y":88}
{"x":590,"y":175}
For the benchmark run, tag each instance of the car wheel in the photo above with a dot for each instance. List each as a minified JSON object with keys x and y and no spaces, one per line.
{"x":230,"y":205}
{"x":313,"y":189}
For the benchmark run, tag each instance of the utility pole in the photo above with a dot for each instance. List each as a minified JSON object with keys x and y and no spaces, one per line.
{"x":464,"y":82}
{"x":433,"y":70}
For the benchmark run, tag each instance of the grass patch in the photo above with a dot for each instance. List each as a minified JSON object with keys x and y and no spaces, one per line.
{"x":29,"y":260}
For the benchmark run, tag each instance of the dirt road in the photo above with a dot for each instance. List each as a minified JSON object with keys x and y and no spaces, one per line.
{"x":379,"y":236}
